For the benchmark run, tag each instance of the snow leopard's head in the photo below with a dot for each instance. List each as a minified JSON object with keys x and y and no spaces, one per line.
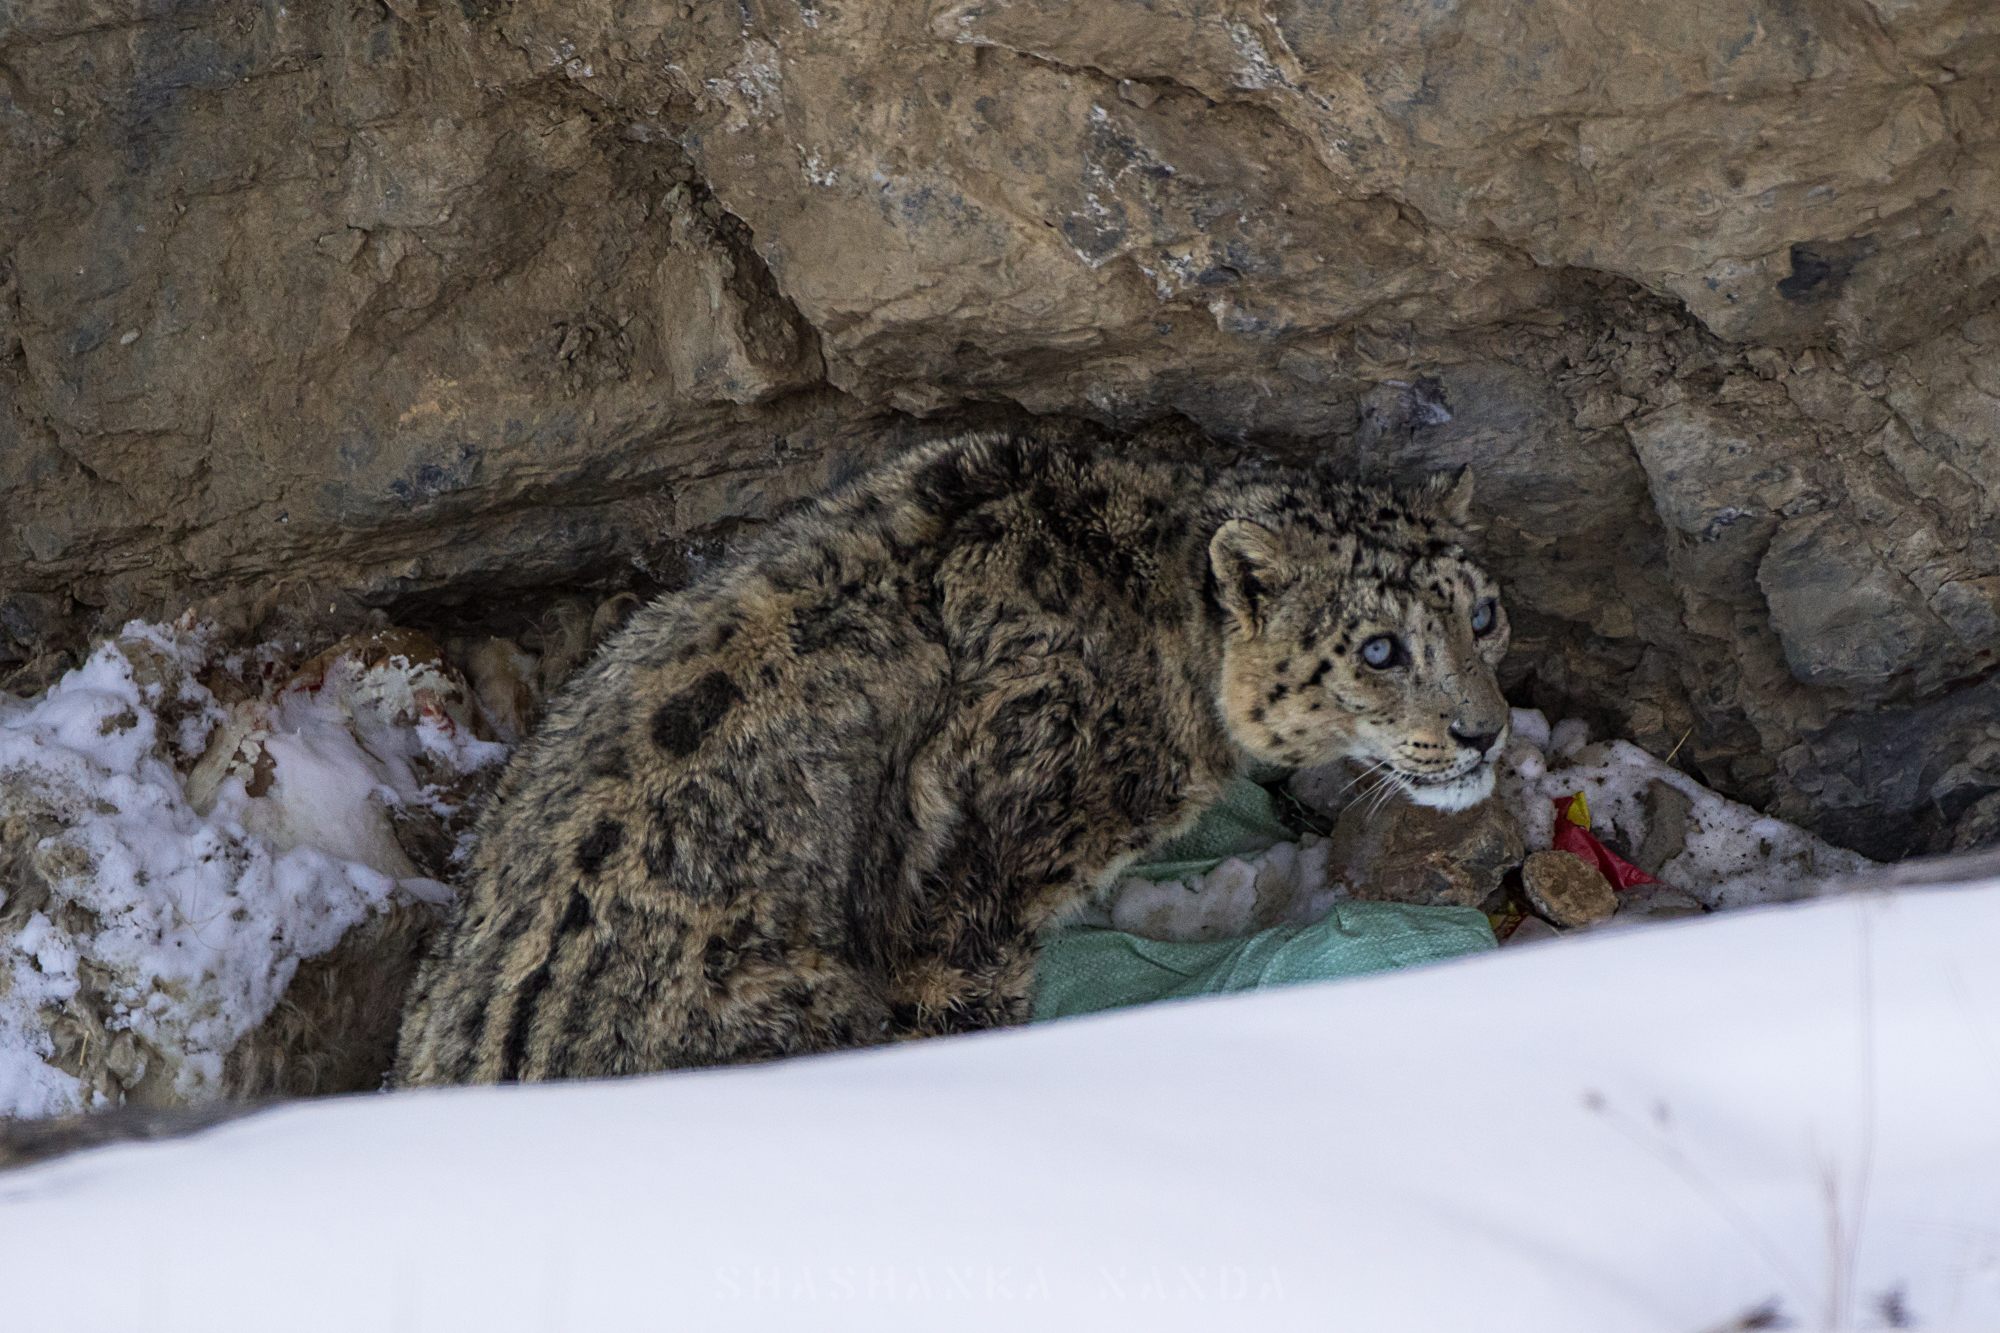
{"x":1356,"y":626}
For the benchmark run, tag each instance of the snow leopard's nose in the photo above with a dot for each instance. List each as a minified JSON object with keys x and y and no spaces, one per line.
{"x":1477,"y":741}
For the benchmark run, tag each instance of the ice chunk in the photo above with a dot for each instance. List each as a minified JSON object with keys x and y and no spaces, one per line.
{"x":1530,"y":725}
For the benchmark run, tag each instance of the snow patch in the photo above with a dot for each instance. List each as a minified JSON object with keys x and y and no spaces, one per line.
{"x":1721,"y":853}
{"x":180,"y":921}
{"x":1287,"y":884}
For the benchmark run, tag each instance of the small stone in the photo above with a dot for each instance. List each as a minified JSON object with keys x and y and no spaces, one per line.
{"x":1657,"y":902}
{"x":1570,"y":735}
{"x":1667,"y":811}
{"x":126,"y":1060}
{"x":1979,"y":826}
{"x":1567,"y":890}
{"x":1531,"y":930}
{"x":1141,"y":95}
{"x":1767,"y":361}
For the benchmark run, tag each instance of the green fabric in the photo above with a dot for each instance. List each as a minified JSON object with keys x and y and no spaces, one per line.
{"x":1084,"y":971}
{"x":1244,"y":821}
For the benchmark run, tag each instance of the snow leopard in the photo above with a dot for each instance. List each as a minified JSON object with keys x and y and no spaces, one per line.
{"x":831,"y":794}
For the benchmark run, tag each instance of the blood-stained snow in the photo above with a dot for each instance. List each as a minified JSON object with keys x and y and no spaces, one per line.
{"x":173,"y":909}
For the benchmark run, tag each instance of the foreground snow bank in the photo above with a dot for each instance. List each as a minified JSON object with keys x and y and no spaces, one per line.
{"x":1787,"y":1109}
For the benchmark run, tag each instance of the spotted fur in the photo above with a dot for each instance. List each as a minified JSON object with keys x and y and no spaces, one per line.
{"x":829,"y":796}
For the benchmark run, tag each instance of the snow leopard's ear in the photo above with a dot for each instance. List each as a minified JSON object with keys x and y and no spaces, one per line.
{"x":1247,"y":562}
{"x":1449,"y":495}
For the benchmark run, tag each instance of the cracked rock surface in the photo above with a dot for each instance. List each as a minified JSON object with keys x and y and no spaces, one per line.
{"x":414,"y":303}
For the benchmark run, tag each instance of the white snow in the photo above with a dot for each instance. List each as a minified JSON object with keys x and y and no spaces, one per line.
{"x":1733,"y":855}
{"x":1567,"y":737}
{"x":1653,"y":1131}
{"x":188,"y":919}
{"x":342,"y":748}
{"x":1287,"y":884}
{"x":40,"y":971}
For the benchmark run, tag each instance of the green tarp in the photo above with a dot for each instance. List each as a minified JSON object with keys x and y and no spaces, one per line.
{"x":1243,"y":822}
{"x":1083,"y":971}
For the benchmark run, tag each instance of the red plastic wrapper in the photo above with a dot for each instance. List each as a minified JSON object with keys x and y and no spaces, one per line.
{"x":1573,"y":835}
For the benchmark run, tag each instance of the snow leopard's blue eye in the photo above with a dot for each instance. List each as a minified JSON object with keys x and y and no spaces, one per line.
{"x":1485,"y":617}
{"x":1384,"y":651}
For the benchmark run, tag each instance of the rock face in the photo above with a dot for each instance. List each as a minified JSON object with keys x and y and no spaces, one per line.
{"x":411,"y":303}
